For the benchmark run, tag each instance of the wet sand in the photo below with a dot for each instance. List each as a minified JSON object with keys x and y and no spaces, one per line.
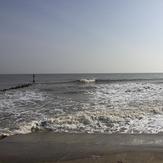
{"x":77,"y":148}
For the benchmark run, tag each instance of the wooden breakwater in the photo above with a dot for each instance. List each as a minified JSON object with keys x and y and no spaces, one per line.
{"x":20,"y":85}
{"x":17,"y":87}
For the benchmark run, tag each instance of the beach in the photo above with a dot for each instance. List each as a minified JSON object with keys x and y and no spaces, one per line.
{"x":81,"y":81}
{"x":76,"y":148}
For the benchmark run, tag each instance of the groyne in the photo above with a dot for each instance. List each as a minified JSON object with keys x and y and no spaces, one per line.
{"x":17,"y":87}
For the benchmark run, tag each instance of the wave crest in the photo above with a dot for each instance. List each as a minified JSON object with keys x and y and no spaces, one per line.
{"x":87,"y":80}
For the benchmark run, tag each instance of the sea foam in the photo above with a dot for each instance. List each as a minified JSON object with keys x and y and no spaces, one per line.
{"x":87,"y":80}
{"x":130,"y":107}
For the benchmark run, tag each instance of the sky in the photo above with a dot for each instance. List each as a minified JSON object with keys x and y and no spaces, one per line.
{"x":81,"y":36}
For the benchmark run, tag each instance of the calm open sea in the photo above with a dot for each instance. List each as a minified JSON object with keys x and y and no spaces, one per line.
{"x":92,"y":103}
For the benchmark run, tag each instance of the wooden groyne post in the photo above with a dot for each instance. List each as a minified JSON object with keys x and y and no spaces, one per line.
{"x":34,"y":78}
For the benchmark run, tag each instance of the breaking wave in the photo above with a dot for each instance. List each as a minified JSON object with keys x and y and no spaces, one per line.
{"x":87,"y":80}
{"x":102,"y":81}
{"x":99,"y":122}
{"x":129,"y":107}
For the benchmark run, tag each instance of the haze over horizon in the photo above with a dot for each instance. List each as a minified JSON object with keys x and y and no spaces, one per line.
{"x":84,"y":36}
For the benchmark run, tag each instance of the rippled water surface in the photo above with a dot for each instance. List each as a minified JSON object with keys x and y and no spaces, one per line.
{"x":103,"y":103}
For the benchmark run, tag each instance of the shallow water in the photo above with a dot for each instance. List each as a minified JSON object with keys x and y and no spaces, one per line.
{"x":102,"y":103}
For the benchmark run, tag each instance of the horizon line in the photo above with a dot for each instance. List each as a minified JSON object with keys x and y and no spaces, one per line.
{"x":64,"y":73}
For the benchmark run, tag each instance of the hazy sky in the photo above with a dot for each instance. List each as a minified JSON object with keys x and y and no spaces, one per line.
{"x":64,"y":36}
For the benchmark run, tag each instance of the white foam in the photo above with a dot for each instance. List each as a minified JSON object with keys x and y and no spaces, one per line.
{"x":87,"y":80}
{"x":101,"y":121}
{"x":14,"y":106}
{"x":118,"y":107}
{"x":11,"y":98}
{"x":128,"y":95}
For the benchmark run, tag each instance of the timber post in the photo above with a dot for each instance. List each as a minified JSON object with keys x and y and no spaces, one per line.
{"x":34,"y":78}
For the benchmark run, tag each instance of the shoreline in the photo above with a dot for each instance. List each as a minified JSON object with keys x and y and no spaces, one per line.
{"x":73,"y":148}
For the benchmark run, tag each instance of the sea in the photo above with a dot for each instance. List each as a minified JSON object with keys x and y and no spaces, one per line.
{"x":82,"y":103}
